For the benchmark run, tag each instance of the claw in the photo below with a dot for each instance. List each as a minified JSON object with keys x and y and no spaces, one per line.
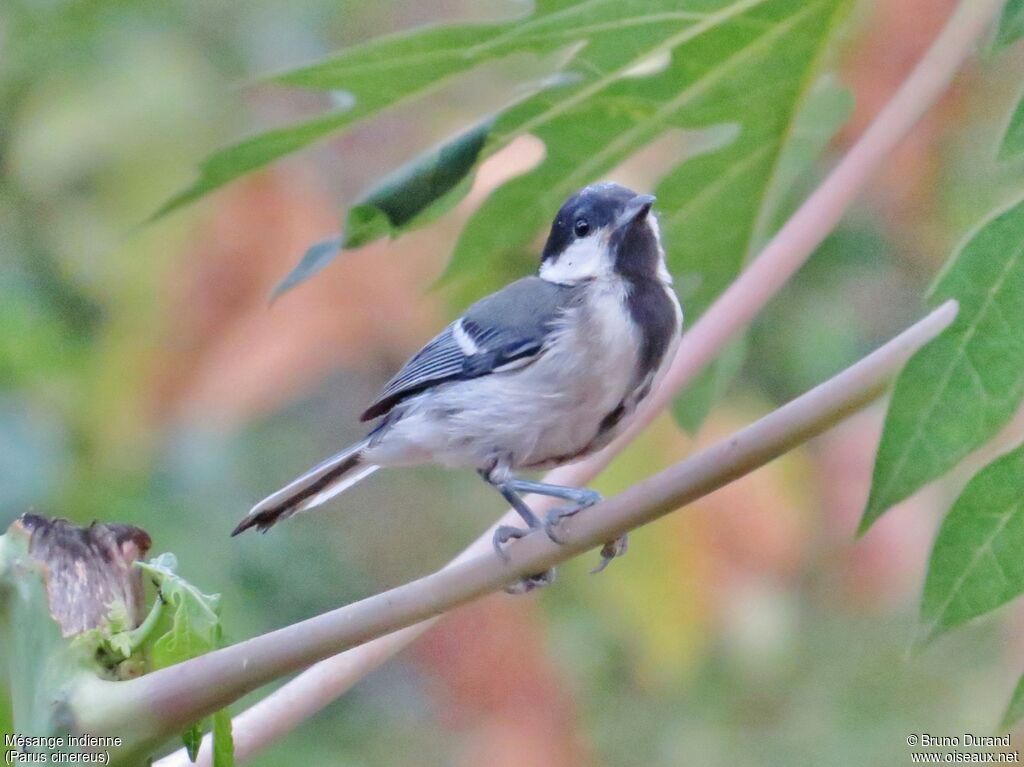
{"x":503,"y":535}
{"x":531,"y":582}
{"x":610,"y":551}
{"x":555,"y":517}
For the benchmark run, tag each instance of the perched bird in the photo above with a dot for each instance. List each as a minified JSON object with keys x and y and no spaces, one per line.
{"x":542,"y":373}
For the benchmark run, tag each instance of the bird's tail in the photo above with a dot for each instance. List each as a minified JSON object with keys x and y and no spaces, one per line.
{"x":322,"y":482}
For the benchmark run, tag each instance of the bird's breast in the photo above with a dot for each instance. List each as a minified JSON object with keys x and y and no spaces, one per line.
{"x":591,"y":369}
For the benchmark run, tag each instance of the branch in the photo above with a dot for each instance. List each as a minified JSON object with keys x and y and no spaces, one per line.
{"x":176,"y":696}
{"x":299,"y":699}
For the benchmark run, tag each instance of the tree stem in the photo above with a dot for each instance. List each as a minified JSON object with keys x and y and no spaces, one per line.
{"x":281,"y":711}
{"x":184,"y":693}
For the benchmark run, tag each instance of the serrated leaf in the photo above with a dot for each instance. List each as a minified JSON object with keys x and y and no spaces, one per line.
{"x":725,"y":55}
{"x":1012,"y":145}
{"x":1015,"y":708}
{"x":121,"y":644}
{"x":251,"y":154}
{"x":976,"y":563}
{"x":194,"y":616}
{"x":1011,"y":24}
{"x":825,"y":108}
{"x":745,"y":64}
{"x":960,"y":389}
{"x":383,"y":73}
{"x":194,"y":630}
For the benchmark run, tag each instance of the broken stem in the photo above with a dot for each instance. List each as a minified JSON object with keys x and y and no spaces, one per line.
{"x":179,"y":695}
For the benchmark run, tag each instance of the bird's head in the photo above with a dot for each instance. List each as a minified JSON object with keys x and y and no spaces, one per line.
{"x":603,"y":230}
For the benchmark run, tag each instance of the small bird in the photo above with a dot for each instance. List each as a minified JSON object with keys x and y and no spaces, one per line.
{"x":540,"y":374}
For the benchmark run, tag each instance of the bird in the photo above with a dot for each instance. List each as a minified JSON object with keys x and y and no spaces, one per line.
{"x":547,"y":370}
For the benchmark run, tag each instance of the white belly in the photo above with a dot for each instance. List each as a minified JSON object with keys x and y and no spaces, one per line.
{"x":541,"y":415}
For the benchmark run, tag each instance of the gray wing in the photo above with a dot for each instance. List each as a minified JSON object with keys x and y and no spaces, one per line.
{"x":504,"y":330}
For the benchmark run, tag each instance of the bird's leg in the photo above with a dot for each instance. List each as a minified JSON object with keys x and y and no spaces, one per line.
{"x":505,"y":533}
{"x":581,"y":498}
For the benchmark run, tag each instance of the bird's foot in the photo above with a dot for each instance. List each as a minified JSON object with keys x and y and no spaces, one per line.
{"x":610,"y":551}
{"x":503,"y":535}
{"x":555,"y":517}
{"x":531,"y":582}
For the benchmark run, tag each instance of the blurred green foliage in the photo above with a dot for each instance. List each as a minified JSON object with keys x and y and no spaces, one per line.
{"x":106,"y":106}
{"x":974,"y":566}
{"x":188,"y":626}
{"x":613,"y":96}
{"x":1011,"y":24}
{"x":957,"y":392}
{"x":1013,"y":142}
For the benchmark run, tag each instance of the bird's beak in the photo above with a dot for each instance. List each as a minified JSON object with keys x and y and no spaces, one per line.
{"x":636,"y":210}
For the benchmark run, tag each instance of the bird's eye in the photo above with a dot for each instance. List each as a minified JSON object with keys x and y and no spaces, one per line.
{"x":581,"y":227}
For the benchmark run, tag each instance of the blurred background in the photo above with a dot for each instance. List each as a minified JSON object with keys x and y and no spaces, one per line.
{"x":144,"y":378}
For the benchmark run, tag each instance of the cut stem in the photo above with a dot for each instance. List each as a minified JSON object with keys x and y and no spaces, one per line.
{"x":281,"y":711}
{"x":177,"y":696}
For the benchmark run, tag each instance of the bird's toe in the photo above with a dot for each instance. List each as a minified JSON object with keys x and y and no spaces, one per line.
{"x":610,"y":551}
{"x":531,"y":582}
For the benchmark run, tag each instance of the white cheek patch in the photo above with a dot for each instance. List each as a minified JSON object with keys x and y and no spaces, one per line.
{"x":584,"y":259}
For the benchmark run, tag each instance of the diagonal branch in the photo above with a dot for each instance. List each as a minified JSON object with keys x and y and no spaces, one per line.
{"x":281,"y":711}
{"x":172,"y":698}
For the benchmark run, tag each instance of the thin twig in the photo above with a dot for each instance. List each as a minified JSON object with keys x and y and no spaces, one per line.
{"x":181,"y":694}
{"x":299,"y":699}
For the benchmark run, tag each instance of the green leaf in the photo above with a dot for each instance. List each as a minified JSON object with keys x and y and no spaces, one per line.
{"x":1012,"y":146}
{"x":415,"y":194}
{"x":316,"y":258}
{"x":383,"y":73}
{"x":193,"y":739}
{"x":195,"y":629}
{"x":223,"y":743}
{"x":693,"y":405}
{"x":194,"y":616}
{"x":960,"y":389}
{"x":976,"y":563}
{"x":1015,"y":709}
{"x":121,"y":644}
{"x":415,"y":190}
{"x":740,"y":63}
{"x":1011,"y":24}
{"x":744,"y":64}
{"x":252,"y":154}
{"x":825,"y":108}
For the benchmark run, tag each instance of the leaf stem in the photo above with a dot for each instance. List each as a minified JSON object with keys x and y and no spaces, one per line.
{"x":178,"y":695}
{"x":138,"y":635}
{"x":281,"y":711}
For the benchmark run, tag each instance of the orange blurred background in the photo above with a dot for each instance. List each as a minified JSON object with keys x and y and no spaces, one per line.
{"x":752,"y":625}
